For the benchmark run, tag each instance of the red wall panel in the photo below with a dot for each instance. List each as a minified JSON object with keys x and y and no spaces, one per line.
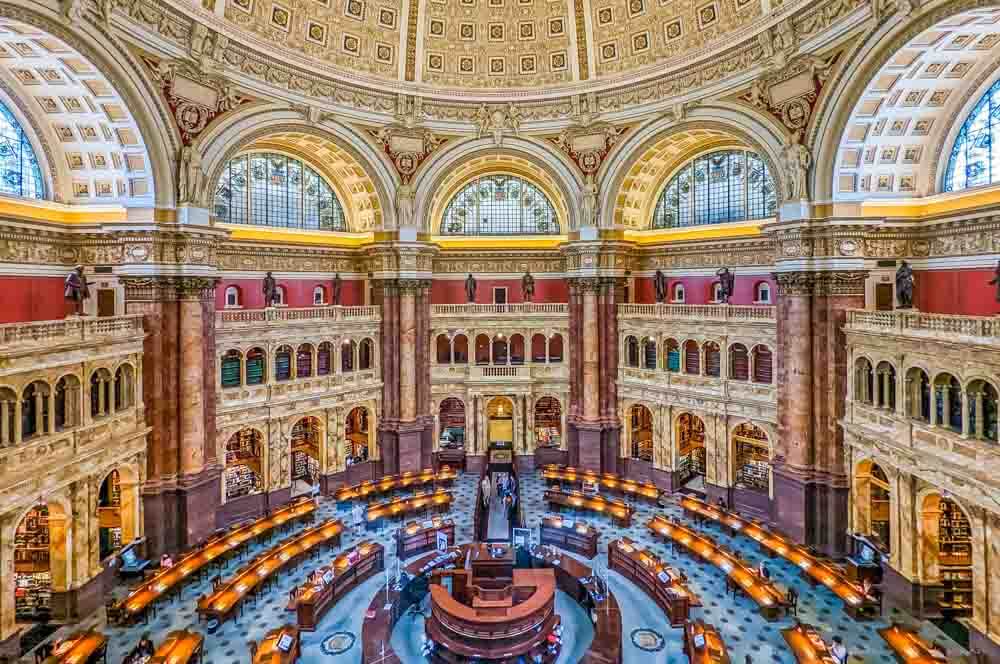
{"x":32,"y":298}
{"x":298,"y":292}
{"x":961,"y":292}
{"x":452,"y":291}
{"x":698,"y":290}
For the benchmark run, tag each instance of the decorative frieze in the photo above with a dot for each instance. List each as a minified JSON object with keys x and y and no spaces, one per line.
{"x":169,"y":288}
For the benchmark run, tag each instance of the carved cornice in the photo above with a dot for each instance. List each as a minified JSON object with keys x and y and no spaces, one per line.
{"x":413,"y":286}
{"x":838,"y":282}
{"x":169,"y":288}
{"x":585,"y":285}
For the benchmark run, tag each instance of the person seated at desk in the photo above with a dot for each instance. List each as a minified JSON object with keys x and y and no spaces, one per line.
{"x":839,"y":650}
{"x":142,"y":651}
{"x":166,"y":562}
{"x":722,"y":503}
{"x":763,"y":571}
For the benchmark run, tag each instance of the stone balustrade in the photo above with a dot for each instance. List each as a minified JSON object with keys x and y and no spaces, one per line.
{"x":698,"y":312}
{"x":523,"y":309}
{"x":274,"y":316}
{"x":982,"y":329}
{"x":50,"y":334}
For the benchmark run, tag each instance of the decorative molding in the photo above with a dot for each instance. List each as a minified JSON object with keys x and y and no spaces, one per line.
{"x":169,"y":288}
{"x":407,"y":147}
{"x":588,"y":145}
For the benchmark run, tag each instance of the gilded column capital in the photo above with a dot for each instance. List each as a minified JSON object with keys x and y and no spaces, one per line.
{"x":413,"y":286}
{"x":585,"y":284}
{"x":169,"y":288}
{"x":795,"y":283}
{"x":839,"y":282}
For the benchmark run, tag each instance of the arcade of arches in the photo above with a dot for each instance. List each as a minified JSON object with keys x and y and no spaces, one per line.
{"x":741,"y":251}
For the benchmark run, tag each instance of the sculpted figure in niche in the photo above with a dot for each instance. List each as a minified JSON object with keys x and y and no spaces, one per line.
{"x":727,"y":284}
{"x":404,"y":205}
{"x":76,"y":289}
{"x":470,"y":288}
{"x":797,"y":163}
{"x":528,"y":287}
{"x":588,"y":202}
{"x":660,"y":284}
{"x":336,"y":289}
{"x":996,"y":280}
{"x":904,"y":286}
{"x":270,"y":290}
{"x":189,"y":175}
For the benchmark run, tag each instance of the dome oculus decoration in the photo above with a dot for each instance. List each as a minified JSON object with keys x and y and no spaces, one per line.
{"x":972,"y":160}
{"x":715,"y":188}
{"x":499,"y":205}
{"x":270,"y":189}
{"x":19,"y":172}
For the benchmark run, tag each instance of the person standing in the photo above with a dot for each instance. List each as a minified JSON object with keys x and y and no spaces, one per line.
{"x":486,"y":489}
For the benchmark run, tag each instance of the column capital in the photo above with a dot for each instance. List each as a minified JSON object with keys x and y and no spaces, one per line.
{"x":837,"y":282}
{"x":169,"y":288}
{"x":585,"y":284}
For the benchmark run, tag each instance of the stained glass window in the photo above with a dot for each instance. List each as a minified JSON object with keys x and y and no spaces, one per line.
{"x":722,"y":186}
{"x":973,"y":160}
{"x":499,"y":205}
{"x":269,"y":189}
{"x":19,"y":172}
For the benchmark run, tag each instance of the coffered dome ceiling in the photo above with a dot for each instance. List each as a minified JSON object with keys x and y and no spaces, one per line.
{"x":463,"y":45}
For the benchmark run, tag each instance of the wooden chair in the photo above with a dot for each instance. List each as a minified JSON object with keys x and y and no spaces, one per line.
{"x":216,"y":582}
{"x":252,"y":647}
{"x":114,"y":611}
{"x":792,"y":599}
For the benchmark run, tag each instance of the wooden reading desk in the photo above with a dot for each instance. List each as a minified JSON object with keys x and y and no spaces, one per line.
{"x":662,"y":583}
{"x":606,"y":481}
{"x":408,"y":480}
{"x":80,"y":648}
{"x":575,"y":536}
{"x":165,"y":581}
{"x":268,"y":651}
{"x":703,"y":644}
{"x":222,"y":602}
{"x":419,"y":537}
{"x":180,"y":647}
{"x":621,"y":512}
{"x":747,"y":580}
{"x":909,"y":647}
{"x":807,"y":645}
{"x":814,"y":570}
{"x":347,"y":571}
{"x":440,"y":500}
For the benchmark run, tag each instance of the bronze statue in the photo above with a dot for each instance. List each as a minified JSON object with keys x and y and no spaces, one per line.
{"x":528,"y":287}
{"x":904,"y":286}
{"x":270,"y":291}
{"x":660,"y":284}
{"x":727,"y":284}
{"x":470,"y":288}
{"x":996,"y":280}
{"x":76,"y":289}
{"x":336,"y":289}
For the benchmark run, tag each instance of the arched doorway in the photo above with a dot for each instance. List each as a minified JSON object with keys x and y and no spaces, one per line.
{"x":640,"y":433}
{"x":356,"y":429}
{"x":752,"y":456}
{"x":306,"y":436}
{"x":946,"y":554}
{"x":244,"y":464}
{"x":871,"y":510}
{"x":690,"y":452}
{"x":39,"y":561}
{"x":500,"y":420}
{"x":548,"y":422}
{"x":451,"y":418}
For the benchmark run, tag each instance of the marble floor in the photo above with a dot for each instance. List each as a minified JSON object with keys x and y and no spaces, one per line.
{"x":647,"y":636}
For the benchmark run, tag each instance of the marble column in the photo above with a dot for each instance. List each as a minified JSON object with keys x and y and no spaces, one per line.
{"x":407,"y":356}
{"x":192,"y":371}
{"x":591,"y":366}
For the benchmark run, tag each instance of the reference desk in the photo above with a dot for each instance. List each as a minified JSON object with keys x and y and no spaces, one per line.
{"x":347,"y":571}
{"x":663,"y":584}
{"x":704,"y":645}
{"x":620,"y":511}
{"x":223,"y":601}
{"x":399,"y":508}
{"x":272,"y":649}
{"x":419,"y":537}
{"x":814,"y":570}
{"x":606,"y":481}
{"x":575,"y":536}
{"x":746,"y":579}
{"x":167,"y":580}
{"x":407,"y":480}
{"x":807,"y":645}
{"x":909,"y":647}
{"x":80,"y":648}
{"x":180,"y":647}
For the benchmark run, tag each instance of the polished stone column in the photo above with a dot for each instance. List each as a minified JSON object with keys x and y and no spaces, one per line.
{"x":407,"y":355}
{"x":192,"y":373}
{"x":591,"y":364}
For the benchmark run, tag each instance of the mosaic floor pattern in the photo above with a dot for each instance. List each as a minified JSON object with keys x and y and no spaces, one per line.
{"x":647,"y":636}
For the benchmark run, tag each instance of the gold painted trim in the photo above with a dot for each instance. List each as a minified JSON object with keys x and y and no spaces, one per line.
{"x":293,"y":236}
{"x":47,"y":211}
{"x":499,"y":242}
{"x":959,"y":201}
{"x":739,"y":229}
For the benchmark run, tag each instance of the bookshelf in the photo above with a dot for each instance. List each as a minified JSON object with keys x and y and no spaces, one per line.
{"x":231,"y":369}
{"x":955,"y":559}
{"x":283,"y":365}
{"x":754,"y":468}
{"x":32,"y":579}
{"x":255,"y":367}
{"x":241,"y":480}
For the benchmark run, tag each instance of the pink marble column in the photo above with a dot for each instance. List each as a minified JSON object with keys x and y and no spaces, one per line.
{"x":407,"y":355}
{"x":591,"y":365}
{"x":794,"y":371}
{"x":192,"y":375}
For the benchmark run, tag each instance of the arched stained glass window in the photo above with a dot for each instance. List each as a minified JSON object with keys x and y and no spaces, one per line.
{"x":499,"y":205}
{"x":973,"y":160}
{"x":270,"y":189}
{"x":19,"y":172}
{"x":722,"y":186}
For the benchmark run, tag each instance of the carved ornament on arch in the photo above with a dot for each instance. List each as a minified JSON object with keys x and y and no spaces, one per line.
{"x":789,"y":92}
{"x":407,"y":147}
{"x":589,"y":144}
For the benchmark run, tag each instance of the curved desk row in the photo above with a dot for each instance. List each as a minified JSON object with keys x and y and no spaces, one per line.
{"x":440,"y":501}
{"x":408,"y":480}
{"x":606,"y":481}
{"x":280,"y":646}
{"x":703,"y":644}
{"x":416,"y":537}
{"x":180,"y":647}
{"x":620,"y":511}
{"x":807,"y":645}
{"x":568,"y":534}
{"x":663,"y":584}
{"x":909,"y":647}
{"x":813,"y":569}
{"x":747,"y":580}
{"x":80,"y":648}
{"x":222,"y":602}
{"x":347,"y":571}
{"x":169,"y":579}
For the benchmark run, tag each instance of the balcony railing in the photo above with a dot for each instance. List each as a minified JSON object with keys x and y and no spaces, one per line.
{"x":520,"y":309}
{"x":719,"y":312}
{"x":236,"y":318}
{"x":915,"y":323}
{"x":54,"y":333}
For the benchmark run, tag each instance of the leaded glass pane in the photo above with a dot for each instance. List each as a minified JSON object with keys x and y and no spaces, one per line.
{"x":19,"y":172}
{"x":974,"y":160}
{"x":270,"y":189}
{"x":499,"y":205}
{"x":722,"y":186}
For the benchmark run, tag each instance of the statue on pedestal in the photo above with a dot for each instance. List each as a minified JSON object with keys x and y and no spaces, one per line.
{"x":727,"y":284}
{"x":996,"y":280}
{"x":270,"y":290}
{"x":904,"y":286}
{"x":336,"y":289}
{"x":660,"y":284}
{"x":528,"y":287}
{"x":76,"y":289}
{"x":470,"y":288}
